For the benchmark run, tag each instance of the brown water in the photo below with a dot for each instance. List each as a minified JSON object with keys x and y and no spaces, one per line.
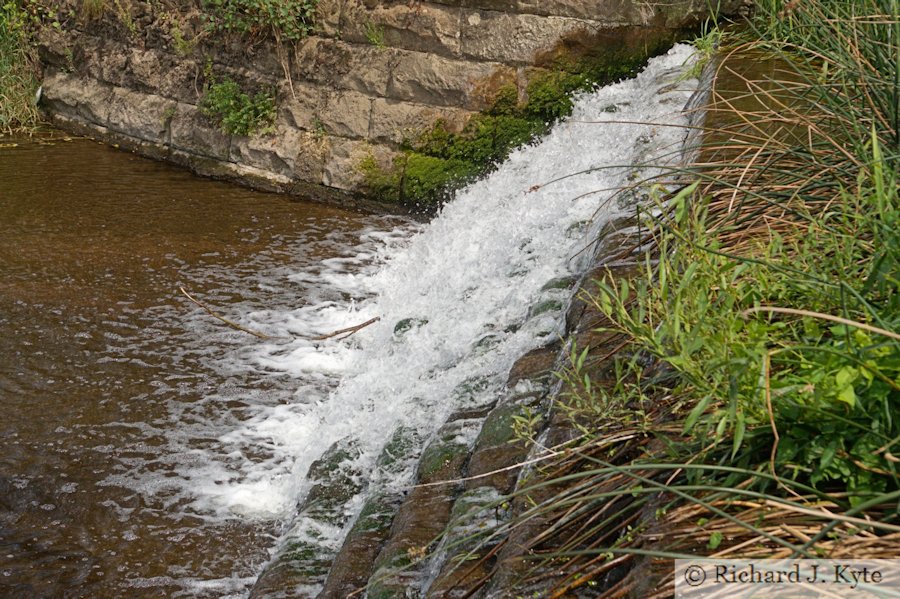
{"x":115,"y":391}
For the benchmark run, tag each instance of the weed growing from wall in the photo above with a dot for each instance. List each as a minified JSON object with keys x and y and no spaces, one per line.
{"x":92,"y":9}
{"x":286,"y":19}
{"x":236,"y":112}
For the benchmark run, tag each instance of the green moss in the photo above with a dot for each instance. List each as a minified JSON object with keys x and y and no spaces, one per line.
{"x":304,"y":559}
{"x":385,"y":584}
{"x":440,"y":161}
{"x":560,"y":283}
{"x":438,"y":456}
{"x":329,"y":465}
{"x":382,"y":183}
{"x":429,"y":179}
{"x":498,"y":427}
{"x":470,"y":388}
{"x":550,"y":305}
{"x":407,"y":324}
{"x":550,"y":94}
{"x":506,"y":101}
{"x":376,"y":515}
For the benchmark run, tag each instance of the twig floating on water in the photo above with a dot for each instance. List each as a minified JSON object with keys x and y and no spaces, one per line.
{"x":230,"y":323}
{"x":348,"y":330}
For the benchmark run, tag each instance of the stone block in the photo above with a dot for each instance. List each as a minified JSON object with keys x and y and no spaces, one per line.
{"x":343,"y":160}
{"x":102,"y":60}
{"x":309,"y":153}
{"x":54,"y":47}
{"x":339,"y":65}
{"x":299,"y":105}
{"x":394,"y":122}
{"x":512,"y":38}
{"x":346,"y":113}
{"x":431,"y":79}
{"x":535,"y":365}
{"x":77,"y":97}
{"x":164,"y":74}
{"x":328,"y":17}
{"x":264,"y":152}
{"x":191,"y":132}
{"x":419,"y":26}
{"x":604,"y":11}
{"x":139,"y":115}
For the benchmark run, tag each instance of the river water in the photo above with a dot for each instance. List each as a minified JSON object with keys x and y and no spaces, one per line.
{"x":118,"y":395}
{"x":147,"y":449}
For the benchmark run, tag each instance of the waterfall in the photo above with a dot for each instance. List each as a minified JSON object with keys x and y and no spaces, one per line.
{"x":458,"y":301}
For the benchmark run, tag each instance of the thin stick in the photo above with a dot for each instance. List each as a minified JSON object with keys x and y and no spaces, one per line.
{"x":348,"y":330}
{"x":230,"y":323}
{"x":838,"y":319}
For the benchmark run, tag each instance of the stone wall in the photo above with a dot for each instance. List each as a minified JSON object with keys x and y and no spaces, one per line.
{"x":375,"y":74}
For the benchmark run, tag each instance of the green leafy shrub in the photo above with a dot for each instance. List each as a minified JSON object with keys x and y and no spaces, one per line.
{"x":829,"y":389}
{"x":237,"y":112}
{"x":288,"y":19}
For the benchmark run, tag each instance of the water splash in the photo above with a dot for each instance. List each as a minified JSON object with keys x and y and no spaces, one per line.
{"x":459,"y":300}
{"x":462,"y":298}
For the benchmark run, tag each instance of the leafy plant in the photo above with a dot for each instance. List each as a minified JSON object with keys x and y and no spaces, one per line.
{"x":375,"y":34}
{"x":287,"y":19}
{"x":237,"y":112}
{"x":761,"y":341}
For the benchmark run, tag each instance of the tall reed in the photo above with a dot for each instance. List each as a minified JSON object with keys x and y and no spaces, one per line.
{"x":762,"y":341}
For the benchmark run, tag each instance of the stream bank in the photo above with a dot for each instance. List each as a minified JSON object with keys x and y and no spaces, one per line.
{"x":352,"y":99}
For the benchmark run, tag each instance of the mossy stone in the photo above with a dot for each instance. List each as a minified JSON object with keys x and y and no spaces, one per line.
{"x":407,"y":324}
{"x":439,"y":456}
{"x":325,"y":467}
{"x":498,"y":427}
{"x":439,"y":161}
{"x":376,"y":515}
{"x":550,"y":305}
{"x":487,"y":343}
{"x":471,"y":387}
{"x":560,"y":283}
{"x":404,"y":444}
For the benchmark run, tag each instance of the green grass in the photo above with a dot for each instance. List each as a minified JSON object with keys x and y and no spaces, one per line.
{"x":18,"y":80}
{"x":753,"y":407}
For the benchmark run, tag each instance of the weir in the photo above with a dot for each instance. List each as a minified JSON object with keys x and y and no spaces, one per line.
{"x":460,"y":301}
{"x":150,"y":450}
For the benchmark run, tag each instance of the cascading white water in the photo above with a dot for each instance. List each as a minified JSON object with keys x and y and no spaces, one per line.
{"x":462,"y":285}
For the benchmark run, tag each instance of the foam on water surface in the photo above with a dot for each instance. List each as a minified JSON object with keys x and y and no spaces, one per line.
{"x":460,"y":288}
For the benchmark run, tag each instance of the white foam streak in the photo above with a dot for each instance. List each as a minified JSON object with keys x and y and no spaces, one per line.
{"x":472,"y":274}
{"x":466,"y":280}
